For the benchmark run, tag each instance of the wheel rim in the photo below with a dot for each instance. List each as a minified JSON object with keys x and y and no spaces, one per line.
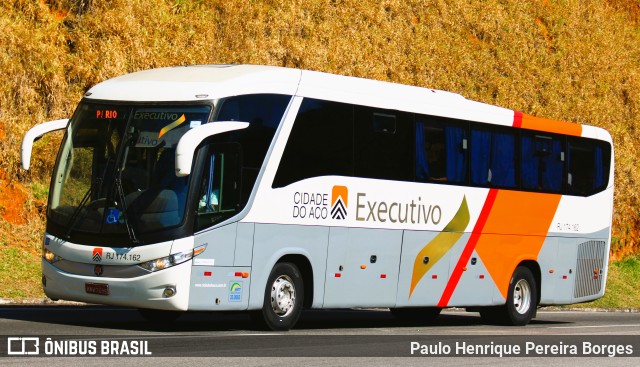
{"x":522,"y":296}
{"x":283,"y":296}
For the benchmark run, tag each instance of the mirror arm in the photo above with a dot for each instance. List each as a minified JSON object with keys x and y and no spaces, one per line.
{"x":36,"y":133}
{"x":189,"y":142}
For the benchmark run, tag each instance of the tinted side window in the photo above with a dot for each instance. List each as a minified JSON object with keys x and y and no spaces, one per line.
{"x":589,"y":164}
{"x":441,"y":150}
{"x":258,"y":109}
{"x":542,"y":162}
{"x":383,"y":147}
{"x":320,"y":144}
{"x":493,"y":158}
{"x":264,"y":113}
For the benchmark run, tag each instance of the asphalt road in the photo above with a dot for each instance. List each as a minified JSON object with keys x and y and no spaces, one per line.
{"x":322,"y":337}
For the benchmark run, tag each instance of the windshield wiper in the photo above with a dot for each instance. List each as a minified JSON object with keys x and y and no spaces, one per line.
{"x":131,"y":141}
{"x":130,"y":231}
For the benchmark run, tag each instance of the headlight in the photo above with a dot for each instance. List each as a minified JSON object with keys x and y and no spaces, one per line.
{"x":172,"y":260}
{"x":50,"y":256}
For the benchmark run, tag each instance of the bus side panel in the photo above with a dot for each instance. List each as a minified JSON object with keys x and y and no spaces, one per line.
{"x":214,"y":284}
{"x":564,"y":274}
{"x":362,"y":267}
{"x":244,"y":244}
{"x":221,"y":244}
{"x":218,"y":288}
{"x":424,"y":268}
{"x":574,"y":270}
{"x":475,"y":287}
{"x":272,"y":242}
{"x":550,"y":266}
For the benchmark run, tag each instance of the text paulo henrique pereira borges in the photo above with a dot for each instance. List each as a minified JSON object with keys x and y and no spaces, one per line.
{"x":531,"y":349}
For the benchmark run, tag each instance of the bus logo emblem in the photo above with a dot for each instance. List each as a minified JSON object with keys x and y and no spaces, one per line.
{"x":97,"y":270}
{"x":339,"y":202}
{"x":235,"y":292}
{"x":97,"y":254}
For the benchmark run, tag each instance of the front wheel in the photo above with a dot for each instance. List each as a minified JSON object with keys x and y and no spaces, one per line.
{"x":283,"y":298}
{"x":521,"y":303}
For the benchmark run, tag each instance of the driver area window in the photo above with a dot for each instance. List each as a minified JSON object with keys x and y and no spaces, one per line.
{"x":219,"y":193}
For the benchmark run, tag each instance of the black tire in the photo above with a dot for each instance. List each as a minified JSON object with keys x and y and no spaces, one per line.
{"x":283,"y":298}
{"x":419,"y":315}
{"x":160,"y":316}
{"x":522,"y":299}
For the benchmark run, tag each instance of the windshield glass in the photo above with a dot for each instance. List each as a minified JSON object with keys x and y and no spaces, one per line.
{"x":116,"y":169}
{"x":115,"y":174}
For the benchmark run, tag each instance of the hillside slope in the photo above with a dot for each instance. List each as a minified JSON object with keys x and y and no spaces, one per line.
{"x":574,"y":60}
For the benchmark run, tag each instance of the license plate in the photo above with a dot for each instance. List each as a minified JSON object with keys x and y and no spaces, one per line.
{"x":97,"y":288}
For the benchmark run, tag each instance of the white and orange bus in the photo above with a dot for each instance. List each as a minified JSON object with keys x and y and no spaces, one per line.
{"x":267,"y":189}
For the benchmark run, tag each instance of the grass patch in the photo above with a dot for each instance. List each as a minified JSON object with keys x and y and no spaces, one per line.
{"x":40,"y":191}
{"x":20,"y":254}
{"x":21,"y":272}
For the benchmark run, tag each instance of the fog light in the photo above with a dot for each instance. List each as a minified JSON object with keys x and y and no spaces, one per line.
{"x":169,"y":292}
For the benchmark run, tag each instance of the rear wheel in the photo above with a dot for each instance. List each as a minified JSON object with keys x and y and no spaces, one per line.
{"x":283,"y":298}
{"x":521,"y":303}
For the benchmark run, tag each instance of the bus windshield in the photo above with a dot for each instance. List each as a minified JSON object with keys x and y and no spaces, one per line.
{"x":115,"y":172}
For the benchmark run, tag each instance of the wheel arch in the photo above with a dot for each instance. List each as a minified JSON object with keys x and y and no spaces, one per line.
{"x":534,"y":267}
{"x":306,"y":271}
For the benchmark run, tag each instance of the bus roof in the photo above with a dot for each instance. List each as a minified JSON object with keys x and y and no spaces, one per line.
{"x":194,"y":83}
{"x":207,"y":82}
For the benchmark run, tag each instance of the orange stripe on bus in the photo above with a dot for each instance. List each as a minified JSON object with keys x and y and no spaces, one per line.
{"x":514,"y":233}
{"x":547,"y":125}
{"x":476,"y":234}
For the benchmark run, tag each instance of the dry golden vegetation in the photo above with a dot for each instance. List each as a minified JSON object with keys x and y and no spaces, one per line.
{"x":575,"y":60}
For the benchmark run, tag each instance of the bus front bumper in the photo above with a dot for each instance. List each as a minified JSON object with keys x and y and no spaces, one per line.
{"x":152,"y":290}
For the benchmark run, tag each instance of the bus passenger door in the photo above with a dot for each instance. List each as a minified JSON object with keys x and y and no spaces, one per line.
{"x":214,"y":281}
{"x":362,"y":267}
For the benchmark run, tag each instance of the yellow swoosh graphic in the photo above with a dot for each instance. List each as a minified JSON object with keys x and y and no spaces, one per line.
{"x":172,"y":125}
{"x":442,"y":243}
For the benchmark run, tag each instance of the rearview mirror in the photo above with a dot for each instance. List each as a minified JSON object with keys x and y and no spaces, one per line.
{"x":190,"y":141}
{"x":34,"y":134}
